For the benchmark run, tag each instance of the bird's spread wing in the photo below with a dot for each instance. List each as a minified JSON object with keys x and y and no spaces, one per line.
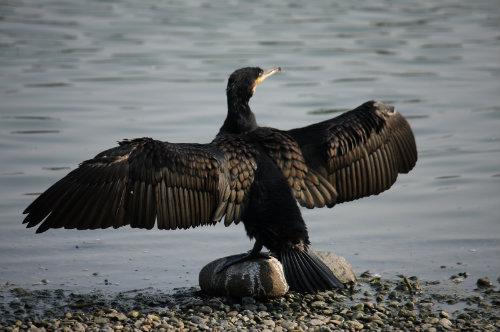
{"x":309,"y":188}
{"x":241,"y":163}
{"x":361,"y":151}
{"x":137,"y":183}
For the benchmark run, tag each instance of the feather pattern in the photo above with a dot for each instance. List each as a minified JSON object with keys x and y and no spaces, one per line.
{"x":360,"y":152}
{"x":144,"y":183}
{"x":306,"y":185}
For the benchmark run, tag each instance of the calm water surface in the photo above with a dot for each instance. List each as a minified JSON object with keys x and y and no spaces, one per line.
{"x":77,"y":76}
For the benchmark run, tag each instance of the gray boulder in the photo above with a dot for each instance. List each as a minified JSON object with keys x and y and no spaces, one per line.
{"x":338,"y":265}
{"x":261,"y":277}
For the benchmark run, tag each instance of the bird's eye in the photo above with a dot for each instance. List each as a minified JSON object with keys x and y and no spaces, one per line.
{"x":260,"y":74}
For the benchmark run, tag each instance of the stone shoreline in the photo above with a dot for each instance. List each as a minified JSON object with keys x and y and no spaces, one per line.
{"x":373,"y":305}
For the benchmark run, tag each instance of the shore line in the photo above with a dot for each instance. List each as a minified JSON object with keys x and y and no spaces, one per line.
{"x":373,"y":304}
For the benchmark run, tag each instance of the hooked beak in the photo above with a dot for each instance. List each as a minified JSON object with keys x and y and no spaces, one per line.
{"x":267,"y":73}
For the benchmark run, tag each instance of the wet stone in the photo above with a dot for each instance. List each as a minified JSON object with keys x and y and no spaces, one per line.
{"x":261,"y":278}
{"x":268,"y":322}
{"x":101,"y":320}
{"x":444,"y":314}
{"x":318,"y":304}
{"x":316,"y":322}
{"x":327,"y":311}
{"x":446,"y":323}
{"x":484,"y":283}
{"x":133,"y":314}
{"x":79,"y":327}
{"x":358,"y":307}
{"x":206,"y":309}
{"x":289,"y":325}
{"x":353,"y":325}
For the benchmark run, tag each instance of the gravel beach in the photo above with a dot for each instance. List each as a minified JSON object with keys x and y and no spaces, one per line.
{"x":374,"y":304}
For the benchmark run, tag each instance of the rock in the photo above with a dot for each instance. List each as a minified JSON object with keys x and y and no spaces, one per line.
{"x":338,"y":265}
{"x":261,"y":277}
{"x":268,"y":322}
{"x":353,"y":325}
{"x":446,"y":323}
{"x":358,"y":307}
{"x":289,"y":325}
{"x":79,"y":327}
{"x":206,"y":309}
{"x":121,"y":316}
{"x":133,"y":314}
{"x":316,"y":322}
{"x":101,"y":320}
{"x":484,"y":282}
{"x":444,"y":314}
{"x":318,"y":304}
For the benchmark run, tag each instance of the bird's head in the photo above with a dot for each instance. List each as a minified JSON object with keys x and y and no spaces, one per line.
{"x":242,"y":82}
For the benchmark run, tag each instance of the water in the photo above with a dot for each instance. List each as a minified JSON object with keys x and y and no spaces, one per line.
{"x":75,"y":77}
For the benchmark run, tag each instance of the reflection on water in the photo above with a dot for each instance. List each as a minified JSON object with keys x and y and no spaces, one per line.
{"x":78,"y":76}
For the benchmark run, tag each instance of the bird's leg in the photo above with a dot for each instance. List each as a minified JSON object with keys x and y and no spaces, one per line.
{"x":256,"y":251}
{"x":235,"y":259}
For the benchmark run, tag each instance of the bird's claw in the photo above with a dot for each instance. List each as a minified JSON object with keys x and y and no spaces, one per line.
{"x":240,"y":258}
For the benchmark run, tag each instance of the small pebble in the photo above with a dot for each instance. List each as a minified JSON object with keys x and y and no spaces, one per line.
{"x":318,"y":304}
{"x":133,"y":314}
{"x":206,"y":309}
{"x":444,"y":314}
{"x":289,"y":325}
{"x":79,"y":327}
{"x":484,"y":282}
{"x":353,"y":325}
{"x":358,"y":307}
{"x":446,"y":323}
{"x":316,"y":322}
{"x":369,"y":308}
{"x":101,"y":320}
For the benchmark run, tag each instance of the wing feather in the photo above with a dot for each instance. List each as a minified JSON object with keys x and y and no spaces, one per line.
{"x":287,"y":155}
{"x":141,"y":182}
{"x":360,"y":152}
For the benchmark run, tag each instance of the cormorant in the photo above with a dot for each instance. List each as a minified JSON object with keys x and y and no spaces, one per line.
{"x":247,"y":173}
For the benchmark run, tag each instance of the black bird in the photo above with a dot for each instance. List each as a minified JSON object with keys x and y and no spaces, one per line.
{"x":247,"y":173}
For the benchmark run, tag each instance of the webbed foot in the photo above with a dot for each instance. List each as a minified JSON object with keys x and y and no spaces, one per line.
{"x":235,"y":259}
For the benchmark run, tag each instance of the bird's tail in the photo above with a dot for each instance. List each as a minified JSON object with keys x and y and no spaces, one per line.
{"x":306,"y":273}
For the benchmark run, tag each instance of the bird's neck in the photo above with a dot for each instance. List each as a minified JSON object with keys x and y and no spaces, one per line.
{"x":240,"y":118}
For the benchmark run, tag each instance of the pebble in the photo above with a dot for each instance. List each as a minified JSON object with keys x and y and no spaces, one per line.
{"x":374,"y":305}
{"x":358,"y":307}
{"x":316,"y":322}
{"x":289,"y":325}
{"x":101,"y":320}
{"x":446,"y":323}
{"x":444,"y":314}
{"x":79,"y":327}
{"x":206,"y":309}
{"x":318,"y":304}
{"x":269,"y":322}
{"x":484,"y":282}
{"x":353,"y":325}
{"x":133,"y":314}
